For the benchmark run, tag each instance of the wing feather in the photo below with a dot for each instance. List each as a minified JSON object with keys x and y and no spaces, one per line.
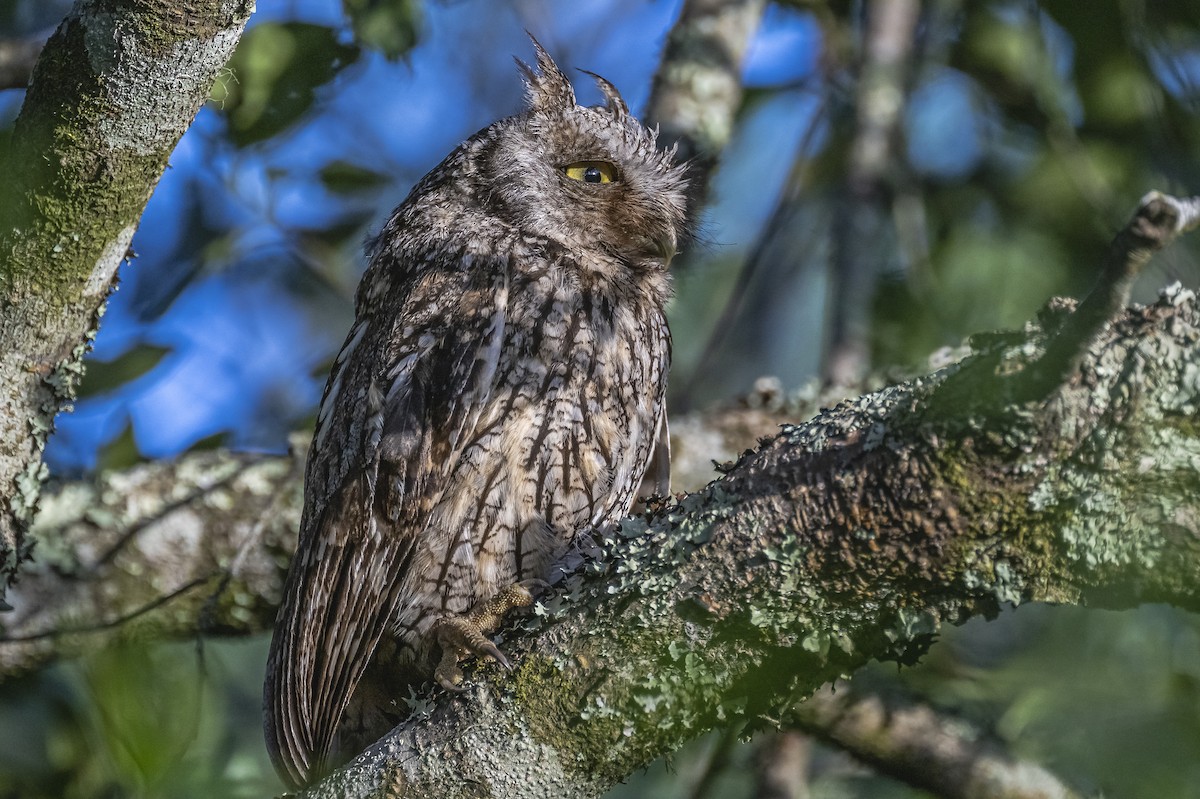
{"x":404,"y":392}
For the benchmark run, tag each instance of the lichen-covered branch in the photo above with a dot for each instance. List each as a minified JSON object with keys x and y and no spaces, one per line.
{"x":112,"y":92}
{"x":850,"y":538}
{"x":201,"y":544}
{"x":167,"y":549}
{"x":949,"y":757}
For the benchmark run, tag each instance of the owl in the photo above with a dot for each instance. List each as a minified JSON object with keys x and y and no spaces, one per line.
{"x":500,"y":391}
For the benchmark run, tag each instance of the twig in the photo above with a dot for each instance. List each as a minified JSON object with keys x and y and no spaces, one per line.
{"x":1157,"y":221}
{"x":781,"y":227}
{"x":110,"y":624}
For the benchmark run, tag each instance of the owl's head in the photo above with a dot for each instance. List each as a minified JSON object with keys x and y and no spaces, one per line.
{"x":586,"y":177}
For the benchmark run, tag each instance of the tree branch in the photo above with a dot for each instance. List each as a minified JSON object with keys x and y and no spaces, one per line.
{"x":850,"y":538}
{"x":914,"y":744}
{"x":114,"y":89}
{"x":202,"y":544}
{"x":697,"y":90}
{"x":173,"y":549}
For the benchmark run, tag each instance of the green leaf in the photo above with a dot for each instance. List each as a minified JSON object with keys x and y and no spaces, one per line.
{"x":274,"y":75}
{"x":103,"y":376}
{"x":344,"y":177}
{"x":389,"y":26}
{"x":120,"y":453}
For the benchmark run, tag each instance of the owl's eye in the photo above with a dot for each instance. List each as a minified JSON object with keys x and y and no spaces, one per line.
{"x":591,"y":171}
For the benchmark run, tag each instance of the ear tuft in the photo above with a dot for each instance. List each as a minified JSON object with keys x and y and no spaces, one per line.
{"x":612,"y":98}
{"x":546,"y":87}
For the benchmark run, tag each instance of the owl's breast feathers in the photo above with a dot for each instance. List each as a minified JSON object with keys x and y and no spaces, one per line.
{"x":482,"y":411}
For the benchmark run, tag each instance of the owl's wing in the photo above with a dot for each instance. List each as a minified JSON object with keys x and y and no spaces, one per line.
{"x":405,"y":397}
{"x":658,"y":473}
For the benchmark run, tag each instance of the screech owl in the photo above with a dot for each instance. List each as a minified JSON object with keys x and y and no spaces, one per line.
{"x":501,"y":390}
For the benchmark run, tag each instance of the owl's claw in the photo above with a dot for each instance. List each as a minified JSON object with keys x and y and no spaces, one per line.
{"x":462,"y":636}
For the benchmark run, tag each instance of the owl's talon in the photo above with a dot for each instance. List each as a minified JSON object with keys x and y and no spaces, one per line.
{"x":533,"y":583}
{"x":451,"y":679}
{"x":462,"y":636}
{"x":492,"y":651}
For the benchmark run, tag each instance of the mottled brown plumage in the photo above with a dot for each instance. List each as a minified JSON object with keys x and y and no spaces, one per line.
{"x":501,"y":391}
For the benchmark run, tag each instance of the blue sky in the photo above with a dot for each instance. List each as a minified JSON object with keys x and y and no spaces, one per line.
{"x":246,"y":346}
{"x":228,"y":277}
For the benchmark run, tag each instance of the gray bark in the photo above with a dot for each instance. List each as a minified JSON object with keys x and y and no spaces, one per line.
{"x":855,"y":536}
{"x":852,"y":537}
{"x":114,"y":89}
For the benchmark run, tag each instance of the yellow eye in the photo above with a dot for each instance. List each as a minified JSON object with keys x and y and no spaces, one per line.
{"x":591,"y":171}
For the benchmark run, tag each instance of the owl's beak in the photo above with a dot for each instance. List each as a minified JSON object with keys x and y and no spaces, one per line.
{"x":663,"y":246}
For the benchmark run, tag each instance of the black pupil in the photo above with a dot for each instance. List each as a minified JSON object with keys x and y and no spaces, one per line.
{"x":592,"y":175}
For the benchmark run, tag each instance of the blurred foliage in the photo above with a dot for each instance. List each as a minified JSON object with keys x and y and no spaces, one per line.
{"x":389,"y":26}
{"x":1029,"y":130}
{"x":274,"y":75}
{"x":27,"y":17}
{"x":104,"y":376}
{"x":137,"y":719}
{"x":344,"y":177}
{"x":1032,"y":130}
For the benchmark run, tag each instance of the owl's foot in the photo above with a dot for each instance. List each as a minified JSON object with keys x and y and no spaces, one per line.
{"x":463,"y":636}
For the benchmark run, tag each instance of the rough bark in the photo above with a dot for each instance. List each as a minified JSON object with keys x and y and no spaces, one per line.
{"x":1059,"y":464}
{"x":114,"y":89}
{"x":850,"y":538}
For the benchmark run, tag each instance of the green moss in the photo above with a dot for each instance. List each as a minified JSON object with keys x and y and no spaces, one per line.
{"x":164,"y":23}
{"x":583,"y":736}
{"x":70,"y":196}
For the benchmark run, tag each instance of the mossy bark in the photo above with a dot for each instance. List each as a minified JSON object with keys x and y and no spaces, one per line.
{"x":850,"y":538}
{"x":113,"y":91}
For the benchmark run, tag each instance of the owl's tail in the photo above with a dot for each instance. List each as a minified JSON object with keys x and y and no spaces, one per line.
{"x":336,"y":606}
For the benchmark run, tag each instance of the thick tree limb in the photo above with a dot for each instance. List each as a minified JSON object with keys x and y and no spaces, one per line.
{"x":850,"y":538}
{"x":114,"y":89}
